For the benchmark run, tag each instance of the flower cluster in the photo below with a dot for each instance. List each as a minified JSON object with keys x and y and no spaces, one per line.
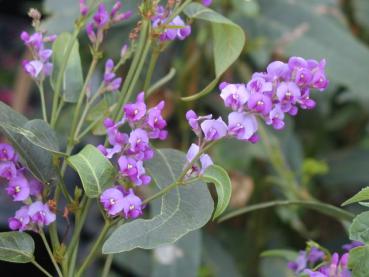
{"x":21,"y":187}
{"x":177,"y":27}
{"x":280,"y":90}
{"x":270,"y":95}
{"x":313,"y":262}
{"x":40,"y":66}
{"x":102,"y":20}
{"x":131,"y":150}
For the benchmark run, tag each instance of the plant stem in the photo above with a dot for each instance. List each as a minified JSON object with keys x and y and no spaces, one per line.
{"x":43,"y":270}
{"x":132,"y":68}
{"x":153,"y":60}
{"x":94,"y":249}
{"x":43,"y":237}
{"x":42,"y":96}
{"x":107,"y":265}
{"x":60,"y":76}
{"x":161,"y":82}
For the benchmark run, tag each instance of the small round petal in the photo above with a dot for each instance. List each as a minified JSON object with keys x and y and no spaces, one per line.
{"x":205,"y":162}
{"x":192,"y":152}
{"x":8,"y":170}
{"x":40,"y":214}
{"x":7,"y":152}
{"x":112,"y":201}
{"x":214,"y":129}
{"x":18,"y":188}
{"x":242,"y":125}
{"x":132,"y":205}
{"x":21,"y":220}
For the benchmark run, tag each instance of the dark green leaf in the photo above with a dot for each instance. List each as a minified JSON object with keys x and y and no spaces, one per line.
{"x":96,"y":171}
{"x":219,"y":177}
{"x":362,"y":195}
{"x":183,"y":209}
{"x":228,"y":42}
{"x":16,"y":247}
{"x":359,"y":229}
{"x":37,"y":159}
{"x":72,"y":82}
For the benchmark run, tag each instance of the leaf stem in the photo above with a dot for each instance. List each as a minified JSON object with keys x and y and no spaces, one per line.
{"x":94,"y":249}
{"x":153,"y":60}
{"x":42,"y":96}
{"x":43,"y":270}
{"x":43,"y":237}
{"x":107,"y":265}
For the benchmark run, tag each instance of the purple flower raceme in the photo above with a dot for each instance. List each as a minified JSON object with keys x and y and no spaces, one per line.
{"x":313,"y":262}
{"x":102,"y":20}
{"x":280,"y":90}
{"x":40,"y":66}
{"x":130,"y":150}
{"x":111,"y":82}
{"x":178,"y":29}
{"x":22,"y":187}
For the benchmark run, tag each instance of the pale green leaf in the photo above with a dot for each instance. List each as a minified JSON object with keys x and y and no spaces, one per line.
{"x":359,"y":229}
{"x":288,"y":255}
{"x":183,"y":209}
{"x":362,"y":195}
{"x":72,"y":81}
{"x":16,"y":247}
{"x":219,"y":177}
{"x":358,"y":261}
{"x":96,"y":171}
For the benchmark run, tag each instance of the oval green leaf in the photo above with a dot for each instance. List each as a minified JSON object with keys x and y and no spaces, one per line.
{"x":16,"y":247}
{"x":219,"y":177}
{"x":228,"y":42}
{"x":72,"y":81}
{"x":359,"y":229}
{"x":358,"y":261}
{"x":96,"y":171}
{"x":183,"y":209}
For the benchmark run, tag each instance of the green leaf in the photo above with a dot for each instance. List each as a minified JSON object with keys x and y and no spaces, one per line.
{"x":358,"y":197}
{"x":219,"y":177}
{"x":358,"y":261}
{"x":16,"y":247}
{"x":359,"y":229}
{"x":37,"y":132}
{"x":361,"y":11}
{"x":96,"y":171}
{"x":180,"y":259}
{"x":288,"y":255}
{"x":35,"y":157}
{"x":72,"y":82}
{"x":183,"y":209}
{"x":228,"y":42}
{"x":323,"y":208}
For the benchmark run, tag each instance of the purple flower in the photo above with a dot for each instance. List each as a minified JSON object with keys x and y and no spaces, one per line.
{"x":111,"y":82}
{"x":207,"y":3}
{"x":347,"y":247}
{"x":127,"y":166}
{"x":260,"y":103}
{"x":40,"y":213}
{"x":20,"y":221}
{"x":287,"y":93}
{"x":193,"y":121}
{"x":135,"y":111}
{"x":315,"y":255}
{"x":138,"y":140}
{"x":234,"y":95}
{"x":18,"y":188}
{"x":132,"y":205}
{"x":83,"y":8}
{"x":214,"y":129}
{"x":101,"y":17}
{"x":33,"y":68}
{"x":299,"y":264}
{"x":91,"y":33}
{"x":156,"y":122}
{"x":35,"y":187}
{"x":277,"y":69}
{"x":7,"y":153}
{"x":276,"y":117}
{"x":205,"y":159}
{"x":258,"y":84}
{"x":242,"y":125}
{"x":112,"y":201}
{"x":8,"y":170}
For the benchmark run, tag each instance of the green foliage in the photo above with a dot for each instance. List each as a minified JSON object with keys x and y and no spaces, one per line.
{"x":219,"y":177}
{"x":72,"y":82}
{"x":30,"y":138}
{"x":96,"y":171}
{"x":359,"y":229}
{"x":362,"y":195}
{"x":228,"y":42}
{"x":358,"y":261}
{"x":288,"y":255}
{"x":16,"y":247}
{"x":183,"y":209}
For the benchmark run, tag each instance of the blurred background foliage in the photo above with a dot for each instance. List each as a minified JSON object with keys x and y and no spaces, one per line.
{"x":326,"y":150}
